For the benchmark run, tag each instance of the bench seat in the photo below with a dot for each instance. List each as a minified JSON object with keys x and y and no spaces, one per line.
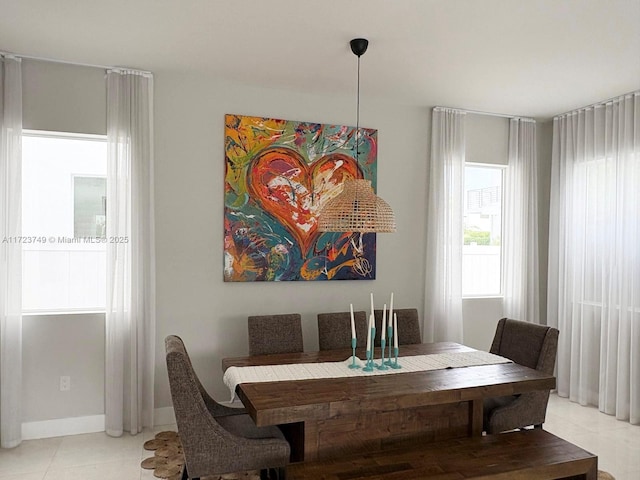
{"x":529,"y":454}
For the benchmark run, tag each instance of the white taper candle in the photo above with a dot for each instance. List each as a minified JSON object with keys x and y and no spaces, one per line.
{"x":384,"y":322}
{"x":369,"y":332}
{"x":353,"y":322}
{"x":395,"y":330}
{"x":371,"y":303}
{"x":391,"y":311}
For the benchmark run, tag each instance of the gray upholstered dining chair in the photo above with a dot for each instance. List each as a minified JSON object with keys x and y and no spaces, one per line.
{"x":216,"y":445}
{"x":280,"y":333}
{"x":334,"y":329}
{"x":408,"y":326}
{"x":216,"y":409}
{"x":534,"y":346}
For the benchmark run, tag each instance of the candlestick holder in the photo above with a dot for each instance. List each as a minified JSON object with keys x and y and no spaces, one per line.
{"x":353,"y":357}
{"x":395,"y":363}
{"x":390,"y":337}
{"x":370,"y":363}
{"x":382,"y":365}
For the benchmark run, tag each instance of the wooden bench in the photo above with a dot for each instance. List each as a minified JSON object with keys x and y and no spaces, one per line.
{"x":525,"y":455}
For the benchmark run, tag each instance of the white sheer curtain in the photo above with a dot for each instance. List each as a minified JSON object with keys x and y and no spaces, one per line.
{"x":130,"y":313}
{"x":520,"y":264}
{"x":443,"y":304}
{"x":594,"y":255}
{"x":10,"y":251}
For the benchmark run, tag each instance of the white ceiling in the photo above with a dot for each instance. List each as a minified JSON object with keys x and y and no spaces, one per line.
{"x":525,"y":57}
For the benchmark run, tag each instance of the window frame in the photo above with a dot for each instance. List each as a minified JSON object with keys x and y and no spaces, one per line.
{"x":503,"y":168}
{"x":102,"y":138}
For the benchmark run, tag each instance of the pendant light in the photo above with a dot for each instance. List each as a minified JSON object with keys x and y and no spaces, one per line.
{"x":357,"y":208}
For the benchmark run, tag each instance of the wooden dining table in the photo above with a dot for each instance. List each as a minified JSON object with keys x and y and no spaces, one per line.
{"x":330,"y":417}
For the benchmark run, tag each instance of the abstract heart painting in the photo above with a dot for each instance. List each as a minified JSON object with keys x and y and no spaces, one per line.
{"x":278,"y":176}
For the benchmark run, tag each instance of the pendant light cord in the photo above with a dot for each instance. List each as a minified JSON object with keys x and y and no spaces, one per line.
{"x":358,"y":115}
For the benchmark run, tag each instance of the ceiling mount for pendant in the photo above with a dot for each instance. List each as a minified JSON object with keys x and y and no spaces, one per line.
{"x":359,"y":46}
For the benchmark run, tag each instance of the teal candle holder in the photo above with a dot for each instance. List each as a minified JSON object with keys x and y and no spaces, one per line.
{"x":382,"y":365}
{"x":390,"y":337}
{"x":395,"y":363}
{"x":353,"y":357}
{"x":369,"y":365}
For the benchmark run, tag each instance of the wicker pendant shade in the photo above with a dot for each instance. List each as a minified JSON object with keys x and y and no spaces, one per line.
{"x":357,"y":209}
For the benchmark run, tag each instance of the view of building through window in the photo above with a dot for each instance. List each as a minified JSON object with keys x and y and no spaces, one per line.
{"x":481,"y":251}
{"x":63,"y":222}
{"x":89,"y":207}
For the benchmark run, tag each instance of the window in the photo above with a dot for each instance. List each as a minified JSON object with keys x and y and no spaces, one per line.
{"x":63,"y":222}
{"x":482,"y":226}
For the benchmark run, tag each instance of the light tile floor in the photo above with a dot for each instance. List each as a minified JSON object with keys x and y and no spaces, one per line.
{"x":616,"y":443}
{"x":96,"y":456}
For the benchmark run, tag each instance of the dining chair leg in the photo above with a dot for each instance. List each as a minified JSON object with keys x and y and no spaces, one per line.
{"x":279,"y":473}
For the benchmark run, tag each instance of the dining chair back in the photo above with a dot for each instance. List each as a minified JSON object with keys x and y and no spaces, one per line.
{"x":534,"y":346}
{"x":216,"y":409}
{"x":334,"y":330}
{"x":408,"y":326}
{"x":281,"y":333}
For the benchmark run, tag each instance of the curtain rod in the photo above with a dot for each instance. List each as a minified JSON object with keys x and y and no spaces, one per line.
{"x":75,"y":64}
{"x":599,"y":104}
{"x":478,"y":112}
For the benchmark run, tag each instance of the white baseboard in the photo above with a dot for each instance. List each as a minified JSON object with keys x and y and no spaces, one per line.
{"x":164,"y":416}
{"x":62,"y":426}
{"x":90,"y":424}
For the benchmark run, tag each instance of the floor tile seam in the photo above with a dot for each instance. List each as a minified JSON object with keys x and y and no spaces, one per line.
{"x":14,"y":474}
{"x":58,"y":444}
{"x":119,"y":458}
{"x":88,"y":465}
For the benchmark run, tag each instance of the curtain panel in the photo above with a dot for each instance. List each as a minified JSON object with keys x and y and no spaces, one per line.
{"x":594,"y":255}
{"x":10,"y":251}
{"x":443,"y":304}
{"x":520,"y":265}
{"x":130,"y":312}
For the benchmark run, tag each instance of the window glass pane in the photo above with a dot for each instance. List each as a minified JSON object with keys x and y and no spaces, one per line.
{"x":481,"y":251}
{"x":89,"y":206}
{"x":63,"y":207}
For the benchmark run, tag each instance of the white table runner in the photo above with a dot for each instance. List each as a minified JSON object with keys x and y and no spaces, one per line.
{"x":307,"y":371}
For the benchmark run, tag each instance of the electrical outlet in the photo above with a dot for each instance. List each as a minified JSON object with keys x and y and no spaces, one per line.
{"x":65,"y":383}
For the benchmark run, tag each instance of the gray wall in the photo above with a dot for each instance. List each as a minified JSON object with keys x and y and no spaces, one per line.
{"x":487,"y":139}
{"x":192,"y":299}
{"x":544,"y":133}
{"x":57,"y":345}
{"x":63,"y":98}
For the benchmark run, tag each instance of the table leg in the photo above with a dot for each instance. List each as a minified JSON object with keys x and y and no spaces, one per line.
{"x":294,"y":433}
{"x":592,"y":474}
{"x":310,"y":441}
{"x":475,"y":418}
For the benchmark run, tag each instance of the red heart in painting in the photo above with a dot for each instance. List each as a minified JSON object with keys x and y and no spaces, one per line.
{"x":293,"y":192}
